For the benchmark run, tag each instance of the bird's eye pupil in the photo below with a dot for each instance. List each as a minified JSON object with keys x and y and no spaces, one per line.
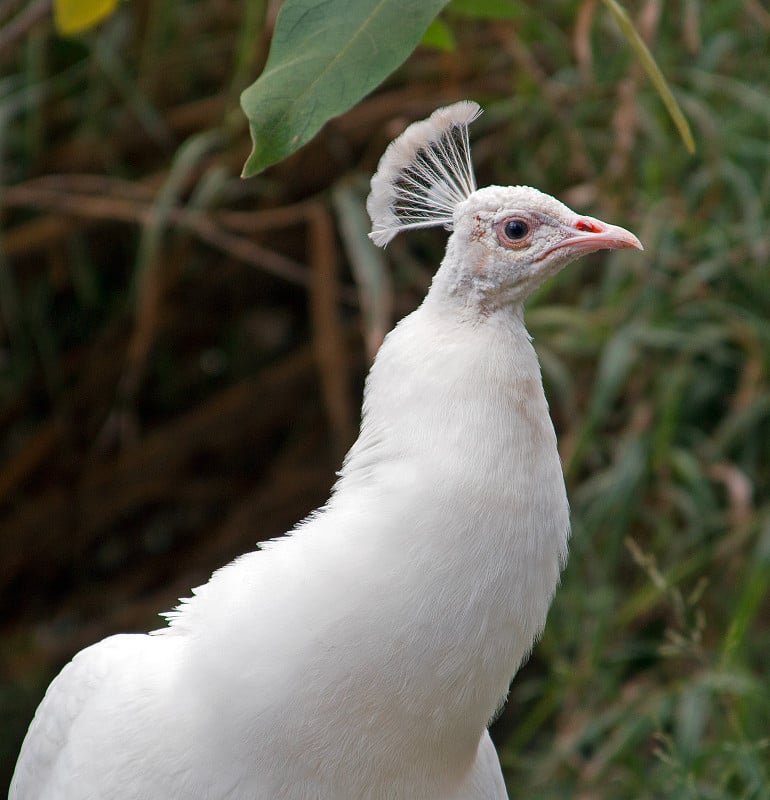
{"x":516,"y":229}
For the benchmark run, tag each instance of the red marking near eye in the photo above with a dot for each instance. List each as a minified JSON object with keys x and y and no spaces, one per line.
{"x":588,"y":226}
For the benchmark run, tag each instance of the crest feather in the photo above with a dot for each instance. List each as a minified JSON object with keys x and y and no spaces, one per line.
{"x":423,"y":174}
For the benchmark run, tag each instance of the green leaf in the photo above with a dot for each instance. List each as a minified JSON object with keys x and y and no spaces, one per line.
{"x":616,"y":363}
{"x":324,"y":57}
{"x":653,"y":71}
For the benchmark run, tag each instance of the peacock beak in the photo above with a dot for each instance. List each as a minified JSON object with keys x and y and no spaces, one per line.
{"x":588,"y":235}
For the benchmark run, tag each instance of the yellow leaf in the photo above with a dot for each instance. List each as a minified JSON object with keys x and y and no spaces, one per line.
{"x":76,"y":16}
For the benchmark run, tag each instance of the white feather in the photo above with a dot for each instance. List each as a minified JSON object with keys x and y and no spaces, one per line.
{"x":424,"y":174}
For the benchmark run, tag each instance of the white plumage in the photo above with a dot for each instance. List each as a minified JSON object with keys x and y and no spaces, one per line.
{"x":424,"y":174}
{"x":361,"y":657}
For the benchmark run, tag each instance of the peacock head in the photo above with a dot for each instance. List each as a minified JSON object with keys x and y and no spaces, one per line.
{"x":506,"y":240}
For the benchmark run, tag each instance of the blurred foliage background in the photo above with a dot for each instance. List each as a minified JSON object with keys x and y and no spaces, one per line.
{"x":182,"y":352}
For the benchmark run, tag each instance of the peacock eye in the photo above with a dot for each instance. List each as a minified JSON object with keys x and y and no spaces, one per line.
{"x":515,"y":229}
{"x":514,"y":233}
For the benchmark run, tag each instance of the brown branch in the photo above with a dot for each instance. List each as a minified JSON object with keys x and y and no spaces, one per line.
{"x":35,"y":451}
{"x":581,"y":39}
{"x":328,"y":338}
{"x":115,"y":202}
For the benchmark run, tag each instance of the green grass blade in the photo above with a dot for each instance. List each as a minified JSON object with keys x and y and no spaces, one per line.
{"x":652,"y":69}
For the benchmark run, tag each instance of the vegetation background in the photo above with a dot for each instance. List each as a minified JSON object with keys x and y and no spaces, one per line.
{"x":182,"y":352}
